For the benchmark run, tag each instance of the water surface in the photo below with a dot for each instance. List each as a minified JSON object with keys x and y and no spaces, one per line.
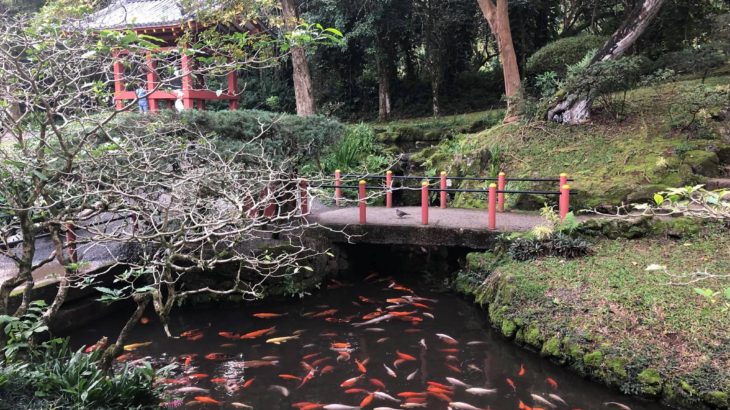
{"x":319,"y":366}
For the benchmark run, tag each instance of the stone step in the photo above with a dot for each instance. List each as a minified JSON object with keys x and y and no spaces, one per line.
{"x":717,"y":183}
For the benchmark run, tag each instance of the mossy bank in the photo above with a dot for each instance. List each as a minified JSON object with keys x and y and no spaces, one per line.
{"x":626,"y":314}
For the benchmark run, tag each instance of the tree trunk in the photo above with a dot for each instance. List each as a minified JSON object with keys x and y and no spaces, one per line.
{"x":498,"y":18}
{"x":114,"y":350}
{"x":435,"y":91}
{"x":384,"y":74}
{"x":574,"y":109}
{"x":302,"y":77}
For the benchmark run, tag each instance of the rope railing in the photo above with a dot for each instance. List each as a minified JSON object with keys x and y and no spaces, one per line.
{"x":495,"y":192}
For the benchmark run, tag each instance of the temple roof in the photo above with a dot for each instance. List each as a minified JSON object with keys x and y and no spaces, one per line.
{"x":142,"y":14}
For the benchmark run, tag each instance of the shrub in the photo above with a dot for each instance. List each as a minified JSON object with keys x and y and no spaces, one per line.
{"x":699,"y":60}
{"x":699,"y":104}
{"x":562,"y":245}
{"x":357,"y":151}
{"x":559,"y":54}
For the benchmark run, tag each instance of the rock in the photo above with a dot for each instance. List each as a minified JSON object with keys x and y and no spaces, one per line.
{"x":651,"y":382}
{"x":723,"y":154}
{"x":508,"y":328}
{"x":644,"y":194}
{"x":703,"y":162}
{"x":551,"y":348}
{"x":718,"y":399}
{"x":593,"y":359}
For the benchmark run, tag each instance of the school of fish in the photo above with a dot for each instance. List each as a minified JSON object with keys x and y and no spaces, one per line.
{"x":339,"y":360}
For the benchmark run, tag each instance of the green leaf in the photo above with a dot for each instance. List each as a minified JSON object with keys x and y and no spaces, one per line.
{"x":727,"y":293}
{"x":334,"y":31}
{"x":659,"y":199}
{"x":708,"y":293}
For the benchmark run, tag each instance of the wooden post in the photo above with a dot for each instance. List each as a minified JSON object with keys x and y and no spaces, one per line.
{"x":389,"y":189}
{"x":424,"y":203}
{"x":501,"y":184}
{"x":442,"y":186}
{"x":564,"y":201}
{"x":187,"y":80}
{"x":118,"y":84}
{"x":492,"y":205}
{"x":363,"y":204}
{"x":152,"y":82}
{"x":233,"y":90}
{"x":338,"y":184}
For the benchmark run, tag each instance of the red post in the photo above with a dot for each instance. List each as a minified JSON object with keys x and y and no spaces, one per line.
{"x":492,"y":207}
{"x":233,"y":90}
{"x":187,"y":80}
{"x":424,"y":203}
{"x":564,"y":201}
{"x":338,"y":190}
{"x":152,"y":82}
{"x":363,"y":204}
{"x":71,"y":243}
{"x":501,"y":184}
{"x":304,"y":196}
{"x":118,"y":84}
{"x":442,"y":185}
{"x":389,"y":189}
{"x":563,"y":179}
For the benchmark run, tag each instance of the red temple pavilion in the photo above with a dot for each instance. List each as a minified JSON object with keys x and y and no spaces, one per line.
{"x":166,"y":20}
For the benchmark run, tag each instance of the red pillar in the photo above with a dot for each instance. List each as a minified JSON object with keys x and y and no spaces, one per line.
{"x":304,"y":196}
{"x":71,"y":243}
{"x":442,"y":186}
{"x":389,"y":189}
{"x":187,"y":80}
{"x":118,"y":84}
{"x":338,"y":190}
{"x":233,"y":90}
{"x":363,"y":204}
{"x":564,"y":201}
{"x":152,"y":82}
{"x":501,"y":184}
{"x":424,"y":203}
{"x":563,"y":179}
{"x":492,"y":207}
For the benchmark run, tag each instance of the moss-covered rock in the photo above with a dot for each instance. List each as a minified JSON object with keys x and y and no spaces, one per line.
{"x":703,"y":162}
{"x":718,"y":399}
{"x":481,"y":261}
{"x":651,"y":382}
{"x":551,"y":348}
{"x":644,"y":193}
{"x":508,"y":328}
{"x":593,"y":359}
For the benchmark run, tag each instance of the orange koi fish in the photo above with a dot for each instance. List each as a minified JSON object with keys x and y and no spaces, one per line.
{"x":317,"y":362}
{"x":361,"y":367}
{"x":290,"y":377}
{"x":420,"y":305}
{"x":219,"y":380}
{"x":268,"y":315}
{"x":327,"y":369}
{"x":377,"y":383}
{"x":522,"y":370}
{"x":404,"y":356}
{"x":449,"y":350}
{"x":552,"y":383}
{"x":229,"y":335}
{"x":453,"y":368}
{"x":372,"y":315}
{"x":397,"y":314}
{"x":248,"y":383}
{"x":258,"y":333}
{"x":511,"y":384}
{"x":363,"y":299}
{"x":328,"y":312}
{"x":311,"y":356}
{"x":207,"y":400}
{"x":217,"y":356}
{"x":396,"y":301}
{"x":197,"y":376}
{"x":350,"y":382}
{"x":367,"y":400}
{"x":340,"y":345}
{"x":440,"y":396}
{"x":343,"y":357}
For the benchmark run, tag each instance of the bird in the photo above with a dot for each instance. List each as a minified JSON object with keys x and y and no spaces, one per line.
{"x":179,"y":106}
{"x":400,"y":214}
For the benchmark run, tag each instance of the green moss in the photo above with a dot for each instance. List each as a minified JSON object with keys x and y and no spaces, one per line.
{"x":703,"y":162}
{"x":687,"y":388}
{"x":533,"y":337}
{"x":508,"y":328}
{"x":481,"y":261}
{"x":551,"y":348}
{"x":651,"y":382}
{"x":593,"y":359}
{"x":718,"y":399}
{"x":617,"y":367}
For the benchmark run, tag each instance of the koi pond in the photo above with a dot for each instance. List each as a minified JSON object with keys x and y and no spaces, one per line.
{"x":380,"y":343}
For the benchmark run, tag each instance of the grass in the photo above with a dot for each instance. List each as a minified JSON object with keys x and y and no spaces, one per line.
{"x":612,"y":304}
{"x":608,"y":159}
{"x":436,"y":128}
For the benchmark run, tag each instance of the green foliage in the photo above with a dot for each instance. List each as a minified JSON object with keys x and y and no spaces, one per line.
{"x":698,"y":60}
{"x":560,"y":244}
{"x":62,"y":378}
{"x":547,"y":84}
{"x":357,"y":151}
{"x":699,"y":104}
{"x":20,"y":331}
{"x":560,"y":54}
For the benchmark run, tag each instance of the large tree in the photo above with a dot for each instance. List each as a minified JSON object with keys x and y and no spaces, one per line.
{"x":576,"y":108}
{"x":302,"y":77}
{"x":497,"y":15}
